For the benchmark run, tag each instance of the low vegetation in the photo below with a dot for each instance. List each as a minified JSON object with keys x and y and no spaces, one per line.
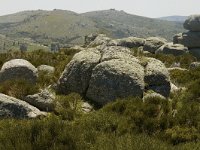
{"x":130,"y":123}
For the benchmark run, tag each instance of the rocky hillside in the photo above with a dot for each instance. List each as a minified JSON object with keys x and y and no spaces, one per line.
{"x":68,"y":27}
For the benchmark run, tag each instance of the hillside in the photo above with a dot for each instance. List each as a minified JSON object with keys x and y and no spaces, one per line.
{"x":174,"y":18}
{"x":68,"y":27}
{"x":121,"y":24}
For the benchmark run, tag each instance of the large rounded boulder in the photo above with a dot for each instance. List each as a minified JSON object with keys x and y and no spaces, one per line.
{"x":116,"y":79}
{"x":153,"y":43}
{"x":157,"y":77}
{"x":77,"y":73}
{"x":192,"y":23}
{"x":18,"y":69}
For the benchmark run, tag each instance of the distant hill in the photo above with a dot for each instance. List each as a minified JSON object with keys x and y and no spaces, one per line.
{"x":68,"y":27}
{"x":174,"y":18}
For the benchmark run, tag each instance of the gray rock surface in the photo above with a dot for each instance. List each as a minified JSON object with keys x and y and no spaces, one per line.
{"x":105,"y":73}
{"x":86,"y":107}
{"x":101,"y":39}
{"x":189,"y":39}
{"x":192,"y":23}
{"x":194,"y":65}
{"x":77,"y":73}
{"x":18,"y":69}
{"x":174,"y":49}
{"x":153,"y":43}
{"x":115,"y":79}
{"x":130,"y":42}
{"x":90,"y":38}
{"x":176,"y":68}
{"x":11,"y":107}
{"x":47,"y":69}
{"x":117,"y":52}
{"x":44,"y":101}
{"x":157,"y":77}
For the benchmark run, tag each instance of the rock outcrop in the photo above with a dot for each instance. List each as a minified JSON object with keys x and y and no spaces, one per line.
{"x":103,"y":74}
{"x":18,"y":69}
{"x":192,"y":23}
{"x":11,"y":107}
{"x":190,"y":39}
{"x":130,"y":42}
{"x":100,"y":39}
{"x":153,"y":43}
{"x":115,"y":79}
{"x":44,"y":101}
{"x":78,"y":71}
{"x":157,"y":77}
{"x":174,"y":49}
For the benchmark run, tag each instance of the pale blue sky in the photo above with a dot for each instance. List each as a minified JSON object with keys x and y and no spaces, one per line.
{"x":149,"y":8}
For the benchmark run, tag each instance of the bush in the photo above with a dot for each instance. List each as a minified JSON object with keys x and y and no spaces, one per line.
{"x":18,"y":88}
{"x":68,"y":107}
{"x":182,"y":134}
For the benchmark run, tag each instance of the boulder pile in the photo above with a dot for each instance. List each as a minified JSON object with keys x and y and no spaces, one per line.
{"x":190,"y":39}
{"x":105,"y":73}
{"x":31,"y":106}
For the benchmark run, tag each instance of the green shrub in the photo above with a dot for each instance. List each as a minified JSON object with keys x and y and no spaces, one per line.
{"x":18,"y":88}
{"x":68,"y":107}
{"x":182,"y":134}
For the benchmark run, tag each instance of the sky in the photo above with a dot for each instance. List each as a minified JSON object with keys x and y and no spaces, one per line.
{"x":148,"y":8}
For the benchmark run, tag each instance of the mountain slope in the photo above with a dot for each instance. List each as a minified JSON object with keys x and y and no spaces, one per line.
{"x":121,"y":24}
{"x":47,"y":26}
{"x":174,"y":18}
{"x":68,"y":27}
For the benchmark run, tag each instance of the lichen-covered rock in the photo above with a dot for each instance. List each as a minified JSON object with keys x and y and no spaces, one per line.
{"x":89,"y":38}
{"x":174,"y":49}
{"x":77,"y":73}
{"x":47,"y":69}
{"x":153,"y":43}
{"x":86,"y":107}
{"x":18,"y":69}
{"x":129,"y":42}
{"x":101,"y":39}
{"x":194,"y":65}
{"x":44,"y":100}
{"x":11,"y":107}
{"x":115,"y":79}
{"x":192,"y":23}
{"x":157,"y":77}
{"x":189,"y":39}
{"x":117,"y":52}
